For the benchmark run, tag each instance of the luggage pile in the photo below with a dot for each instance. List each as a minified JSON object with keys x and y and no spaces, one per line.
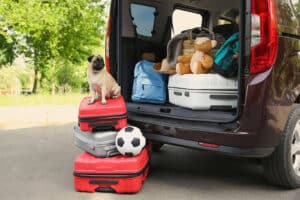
{"x":102,"y":133}
{"x":199,"y":73}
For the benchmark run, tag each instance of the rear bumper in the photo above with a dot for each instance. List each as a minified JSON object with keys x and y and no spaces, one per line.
{"x":229,"y":138}
{"x":231,"y":151}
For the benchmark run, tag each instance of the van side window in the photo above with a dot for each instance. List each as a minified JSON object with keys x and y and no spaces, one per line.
{"x":143,"y":17}
{"x":223,"y":21}
{"x":183,"y":20}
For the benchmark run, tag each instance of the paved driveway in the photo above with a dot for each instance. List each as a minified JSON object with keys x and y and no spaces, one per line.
{"x":32,"y":116}
{"x":37,"y":152}
{"x":36,"y":164}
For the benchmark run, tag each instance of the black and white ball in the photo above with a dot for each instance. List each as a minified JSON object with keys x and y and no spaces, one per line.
{"x":130,"y":141}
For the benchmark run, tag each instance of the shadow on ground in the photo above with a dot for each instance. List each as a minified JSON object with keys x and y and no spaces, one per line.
{"x":37,"y":163}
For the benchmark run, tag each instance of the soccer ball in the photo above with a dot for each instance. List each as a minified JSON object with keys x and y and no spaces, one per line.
{"x":130,"y":141}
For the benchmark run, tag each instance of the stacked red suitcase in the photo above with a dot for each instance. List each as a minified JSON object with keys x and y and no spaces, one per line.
{"x":120,"y":174}
{"x":100,"y":117}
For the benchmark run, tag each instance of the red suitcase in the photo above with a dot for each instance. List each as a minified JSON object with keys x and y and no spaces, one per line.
{"x":100,"y":117}
{"x":118,"y":174}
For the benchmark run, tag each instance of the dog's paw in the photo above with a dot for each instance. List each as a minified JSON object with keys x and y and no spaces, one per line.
{"x":103,"y":102}
{"x":114,"y":97}
{"x":90,"y":102}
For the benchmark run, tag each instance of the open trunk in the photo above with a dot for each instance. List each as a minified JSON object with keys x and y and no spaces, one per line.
{"x":127,"y":44}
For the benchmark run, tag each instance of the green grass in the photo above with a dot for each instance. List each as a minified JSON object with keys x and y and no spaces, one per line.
{"x":41,"y":100}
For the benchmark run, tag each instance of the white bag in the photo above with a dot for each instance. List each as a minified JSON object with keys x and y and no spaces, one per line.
{"x":203,"y":91}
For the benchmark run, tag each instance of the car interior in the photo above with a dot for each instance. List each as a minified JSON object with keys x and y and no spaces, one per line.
{"x":151,"y":33}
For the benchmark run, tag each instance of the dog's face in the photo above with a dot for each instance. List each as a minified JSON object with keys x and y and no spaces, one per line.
{"x":96,"y":62}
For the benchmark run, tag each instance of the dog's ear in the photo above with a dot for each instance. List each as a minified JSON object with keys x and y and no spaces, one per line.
{"x":90,"y":58}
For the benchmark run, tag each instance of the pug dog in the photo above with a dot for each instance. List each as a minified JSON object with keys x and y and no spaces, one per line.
{"x":102,"y":84}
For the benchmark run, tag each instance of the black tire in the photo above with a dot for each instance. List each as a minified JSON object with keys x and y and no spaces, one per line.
{"x":278,"y":167}
{"x":157,"y":146}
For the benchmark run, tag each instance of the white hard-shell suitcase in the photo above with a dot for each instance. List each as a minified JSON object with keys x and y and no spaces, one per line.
{"x":99,"y":144}
{"x":203,"y":91}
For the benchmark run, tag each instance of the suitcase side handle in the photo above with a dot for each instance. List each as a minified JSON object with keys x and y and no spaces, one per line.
{"x":103,"y":125}
{"x":104,"y":182}
{"x":105,"y":190}
{"x":177,"y":93}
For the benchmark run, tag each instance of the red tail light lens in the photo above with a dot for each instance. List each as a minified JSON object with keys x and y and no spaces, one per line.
{"x":207,"y":145}
{"x":264,"y":35}
{"x":107,"y":38}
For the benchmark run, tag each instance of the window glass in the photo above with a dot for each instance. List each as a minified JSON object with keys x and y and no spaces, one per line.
{"x":183,"y":20}
{"x":223,"y":21}
{"x":143,"y":18}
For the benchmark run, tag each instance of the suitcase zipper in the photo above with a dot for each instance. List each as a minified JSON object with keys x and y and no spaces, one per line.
{"x":104,"y":125}
{"x":106,"y":182}
{"x":107,"y":117}
{"x":223,"y":97}
{"x":108,"y":175}
{"x":204,"y":90}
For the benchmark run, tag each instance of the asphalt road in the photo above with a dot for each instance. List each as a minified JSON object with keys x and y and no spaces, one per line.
{"x":37,"y":164}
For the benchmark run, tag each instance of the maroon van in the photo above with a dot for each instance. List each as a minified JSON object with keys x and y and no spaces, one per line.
{"x":266,"y":122}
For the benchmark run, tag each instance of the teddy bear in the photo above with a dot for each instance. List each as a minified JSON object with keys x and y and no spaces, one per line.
{"x":183,"y":61}
{"x":183,"y":64}
{"x":201,"y":61}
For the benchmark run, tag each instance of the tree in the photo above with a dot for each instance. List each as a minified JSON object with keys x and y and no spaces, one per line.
{"x":6,"y":51}
{"x":297,"y":7}
{"x":52,"y":31}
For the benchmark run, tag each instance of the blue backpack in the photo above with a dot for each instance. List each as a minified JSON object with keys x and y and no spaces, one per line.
{"x":225,"y":63}
{"x":148,"y":85}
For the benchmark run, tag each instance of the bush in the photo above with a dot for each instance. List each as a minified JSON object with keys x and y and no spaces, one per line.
{"x":13,"y":77}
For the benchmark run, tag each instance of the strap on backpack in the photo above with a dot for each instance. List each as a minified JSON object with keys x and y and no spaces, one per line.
{"x":222,"y":56}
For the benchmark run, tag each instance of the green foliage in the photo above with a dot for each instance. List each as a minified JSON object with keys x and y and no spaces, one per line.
{"x":15,"y":77}
{"x":8,"y":79}
{"x":6,"y":51}
{"x":296,"y":4}
{"x":63,"y":76}
{"x":54,"y":31}
{"x":25,"y":80}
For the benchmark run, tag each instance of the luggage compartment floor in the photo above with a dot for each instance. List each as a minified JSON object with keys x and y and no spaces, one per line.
{"x":176,"y":112}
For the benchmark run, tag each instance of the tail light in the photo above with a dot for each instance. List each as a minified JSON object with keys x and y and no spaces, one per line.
{"x":208,"y":145}
{"x":107,"y":39}
{"x":264,"y":35}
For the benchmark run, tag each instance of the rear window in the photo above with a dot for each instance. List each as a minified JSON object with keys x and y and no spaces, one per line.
{"x":183,"y":20}
{"x":143,"y":17}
